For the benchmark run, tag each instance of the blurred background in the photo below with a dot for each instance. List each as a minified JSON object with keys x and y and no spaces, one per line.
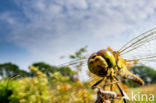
{"x":38,"y":35}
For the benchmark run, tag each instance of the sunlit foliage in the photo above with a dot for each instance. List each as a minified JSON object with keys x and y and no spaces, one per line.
{"x":59,"y":89}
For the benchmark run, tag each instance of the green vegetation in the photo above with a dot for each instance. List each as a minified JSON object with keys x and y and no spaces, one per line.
{"x":9,"y":69}
{"x":59,"y":89}
{"x":45,"y":83}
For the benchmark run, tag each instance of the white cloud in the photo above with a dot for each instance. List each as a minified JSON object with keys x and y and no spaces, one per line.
{"x":57,"y":27}
{"x":6,"y":16}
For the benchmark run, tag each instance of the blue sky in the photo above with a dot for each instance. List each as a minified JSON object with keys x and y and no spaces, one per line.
{"x":44,"y":30}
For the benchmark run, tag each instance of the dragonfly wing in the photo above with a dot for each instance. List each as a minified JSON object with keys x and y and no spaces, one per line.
{"x":138,"y":41}
{"x":94,"y":78}
{"x":142,"y":48}
{"x":74,"y":62}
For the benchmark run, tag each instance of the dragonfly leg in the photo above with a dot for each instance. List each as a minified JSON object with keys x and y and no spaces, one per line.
{"x":94,"y":86}
{"x":121,"y":90}
{"x":109,"y":83}
{"x":106,"y":80}
{"x":111,"y":88}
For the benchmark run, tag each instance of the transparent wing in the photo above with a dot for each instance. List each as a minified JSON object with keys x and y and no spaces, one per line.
{"x":142,"y":48}
{"x":74,"y":62}
{"x":94,"y":78}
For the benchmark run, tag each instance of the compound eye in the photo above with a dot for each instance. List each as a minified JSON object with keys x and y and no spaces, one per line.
{"x":108,"y":56}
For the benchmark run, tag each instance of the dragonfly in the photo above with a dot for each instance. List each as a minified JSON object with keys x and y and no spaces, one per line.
{"x":108,"y":67}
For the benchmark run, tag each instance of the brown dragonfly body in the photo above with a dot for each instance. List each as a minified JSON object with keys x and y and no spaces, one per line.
{"x":108,"y":63}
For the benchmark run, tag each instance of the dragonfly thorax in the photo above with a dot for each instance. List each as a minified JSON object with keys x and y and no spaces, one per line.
{"x":101,"y":61}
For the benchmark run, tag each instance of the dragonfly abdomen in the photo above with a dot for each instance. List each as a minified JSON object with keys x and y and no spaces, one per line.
{"x":134,"y":78}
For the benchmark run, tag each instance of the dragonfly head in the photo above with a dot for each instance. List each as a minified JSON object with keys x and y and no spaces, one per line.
{"x":108,"y":57}
{"x":100,"y":61}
